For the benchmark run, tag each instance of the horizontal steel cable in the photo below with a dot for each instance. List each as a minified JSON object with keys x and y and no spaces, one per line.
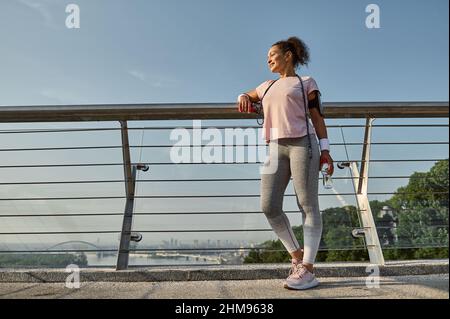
{"x":202,"y":180}
{"x":202,"y":163}
{"x":199,"y":196}
{"x":202,"y":145}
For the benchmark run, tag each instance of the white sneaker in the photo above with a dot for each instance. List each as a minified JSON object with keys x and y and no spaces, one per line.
{"x":300,"y":278}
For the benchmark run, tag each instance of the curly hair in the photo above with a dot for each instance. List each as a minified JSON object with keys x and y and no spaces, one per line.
{"x":298,"y":48}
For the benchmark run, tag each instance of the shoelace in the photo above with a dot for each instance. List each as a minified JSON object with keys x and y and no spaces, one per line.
{"x":293,"y":269}
{"x":297,"y":269}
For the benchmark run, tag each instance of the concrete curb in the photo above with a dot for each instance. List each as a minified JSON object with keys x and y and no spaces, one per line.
{"x":226,"y":272}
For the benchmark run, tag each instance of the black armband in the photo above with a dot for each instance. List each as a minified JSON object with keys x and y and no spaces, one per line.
{"x":316,"y":103}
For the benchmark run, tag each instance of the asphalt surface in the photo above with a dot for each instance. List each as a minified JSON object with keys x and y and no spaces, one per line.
{"x":435,"y":286}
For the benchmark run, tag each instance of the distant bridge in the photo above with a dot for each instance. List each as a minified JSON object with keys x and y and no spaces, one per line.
{"x":75,"y":242}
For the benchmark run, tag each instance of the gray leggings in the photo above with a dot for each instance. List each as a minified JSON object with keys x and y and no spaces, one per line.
{"x":291,"y":155}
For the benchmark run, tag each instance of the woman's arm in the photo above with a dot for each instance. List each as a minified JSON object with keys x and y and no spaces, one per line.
{"x":317,"y":119}
{"x":253,"y":96}
{"x":319,"y":123}
{"x":321,"y":131}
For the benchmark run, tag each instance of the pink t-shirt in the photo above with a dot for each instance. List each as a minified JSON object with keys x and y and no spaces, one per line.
{"x":284,"y":107}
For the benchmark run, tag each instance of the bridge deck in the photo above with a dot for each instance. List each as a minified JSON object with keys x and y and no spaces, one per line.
{"x":397,"y":287}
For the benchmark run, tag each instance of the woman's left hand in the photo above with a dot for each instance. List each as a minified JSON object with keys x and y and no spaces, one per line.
{"x":325,"y":157}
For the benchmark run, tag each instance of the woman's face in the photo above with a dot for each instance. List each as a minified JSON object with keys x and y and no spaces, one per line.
{"x":277,"y":60}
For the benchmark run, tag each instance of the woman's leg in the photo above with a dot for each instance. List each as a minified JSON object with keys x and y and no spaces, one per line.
{"x":273,"y":186}
{"x":305,"y":174}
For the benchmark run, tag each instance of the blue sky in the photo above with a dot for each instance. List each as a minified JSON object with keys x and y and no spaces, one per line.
{"x":209,"y":51}
{"x":204,"y":51}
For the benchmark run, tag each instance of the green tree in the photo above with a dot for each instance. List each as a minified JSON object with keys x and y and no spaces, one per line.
{"x":338,"y":223}
{"x":42,"y":260}
{"x":424,"y":189}
{"x":423,"y":208}
{"x":423,"y":226}
{"x":422,"y":211}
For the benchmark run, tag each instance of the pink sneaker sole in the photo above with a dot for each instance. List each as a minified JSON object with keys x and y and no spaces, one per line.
{"x":309,"y":285}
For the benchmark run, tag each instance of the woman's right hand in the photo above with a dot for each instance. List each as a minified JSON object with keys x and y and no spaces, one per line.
{"x":244,"y":103}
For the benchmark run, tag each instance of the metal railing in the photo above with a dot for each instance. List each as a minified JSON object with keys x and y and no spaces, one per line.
{"x":367,"y":228}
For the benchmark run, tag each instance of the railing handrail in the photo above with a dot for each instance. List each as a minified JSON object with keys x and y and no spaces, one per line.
{"x":221,"y":111}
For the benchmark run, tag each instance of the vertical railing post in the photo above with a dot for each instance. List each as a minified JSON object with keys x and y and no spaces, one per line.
{"x":361,"y":181}
{"x":130,"y":178}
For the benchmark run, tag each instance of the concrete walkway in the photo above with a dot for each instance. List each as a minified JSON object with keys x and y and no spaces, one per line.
{"x":398,"y":287}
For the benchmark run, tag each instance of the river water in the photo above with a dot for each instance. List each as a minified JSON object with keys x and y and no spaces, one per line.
{"x":95,"y":260}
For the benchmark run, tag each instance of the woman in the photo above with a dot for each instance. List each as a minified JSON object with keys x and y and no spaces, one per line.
{"x":293,"y":145}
